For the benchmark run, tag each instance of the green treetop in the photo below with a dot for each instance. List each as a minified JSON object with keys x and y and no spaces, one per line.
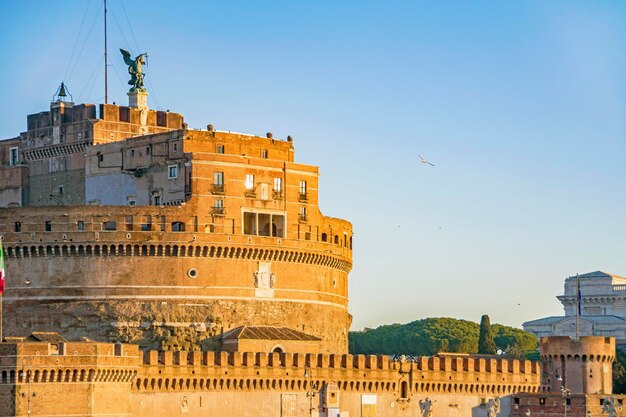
{"x":486,"y":342}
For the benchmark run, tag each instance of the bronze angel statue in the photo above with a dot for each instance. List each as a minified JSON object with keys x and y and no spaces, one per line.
{"x":134,"y":69}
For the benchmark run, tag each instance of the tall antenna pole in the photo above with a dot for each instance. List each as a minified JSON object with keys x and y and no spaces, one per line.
{"x":106,"y":75}
{"x":578,"y":302}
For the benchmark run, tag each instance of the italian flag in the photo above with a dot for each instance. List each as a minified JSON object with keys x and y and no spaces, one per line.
{"x":1,"y":268}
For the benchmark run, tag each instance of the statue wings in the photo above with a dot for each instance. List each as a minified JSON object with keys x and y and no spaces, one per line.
{"x":127,"y":59}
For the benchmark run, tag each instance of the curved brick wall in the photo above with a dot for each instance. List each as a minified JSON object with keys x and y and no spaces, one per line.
{"x":583,"y":366}
{"x":166,"y":288}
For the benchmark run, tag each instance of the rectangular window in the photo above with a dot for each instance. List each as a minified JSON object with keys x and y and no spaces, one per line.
{"x":218,"y":183}
{"x":100,"y":157}
{"x":161,"y":118}
{"x":249,"y":181}
{"x":172,"y":171}
{"x":14,"y":156}
{"x":218,"y":207}
{"x":48,"y":226}
{"x":249,"y":223}
{"x":110,"y":225}
{"x":124,"y":114}
{"x":80,"y":225}
{"x":278,"y":185}
{"x":148,"y":150}
{"x":220,"y":148}
{"x":302,"y":214}
{"x":264,"y":224}
{"x":303,"y":195}
{"x":132,"y":153}
{"x":18,"y":226}
{"x":129,"y":223}
{"x":264,"y":153}
{"x":156,"y":199}
{"x":147,"y":224}
{"x":178,"y":227}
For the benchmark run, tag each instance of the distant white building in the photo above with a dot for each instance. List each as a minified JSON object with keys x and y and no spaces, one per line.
{"x":603,"y":309}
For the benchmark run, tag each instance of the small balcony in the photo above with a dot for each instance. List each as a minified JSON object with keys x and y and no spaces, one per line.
{"x":303,"y":197}
{"x":250,"y":193}
{"x":277,"y":195}
{"x":217,"y":211}
{"x":217,"y":189}
{"x":303,"y":218}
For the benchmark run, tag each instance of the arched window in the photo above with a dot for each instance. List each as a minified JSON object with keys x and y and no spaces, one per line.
{"x":404,"y":390}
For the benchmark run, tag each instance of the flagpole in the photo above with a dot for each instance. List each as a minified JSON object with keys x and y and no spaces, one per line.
{"x":577,"y":303}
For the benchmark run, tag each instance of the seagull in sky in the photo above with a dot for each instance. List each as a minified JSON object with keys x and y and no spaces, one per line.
{"x":425,"y":161}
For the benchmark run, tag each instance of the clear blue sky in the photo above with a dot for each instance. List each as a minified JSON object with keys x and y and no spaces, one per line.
{"x":519,"y":104}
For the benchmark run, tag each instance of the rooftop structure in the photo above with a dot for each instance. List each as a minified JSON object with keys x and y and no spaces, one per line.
{"x":602,"y":308}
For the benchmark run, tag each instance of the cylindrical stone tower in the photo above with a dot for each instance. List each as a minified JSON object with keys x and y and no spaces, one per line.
{"x":582,"y":366}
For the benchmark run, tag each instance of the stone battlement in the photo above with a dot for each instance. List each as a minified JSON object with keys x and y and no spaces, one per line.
{"x":67,"y":362}
{"x":592,"y":348}
{"x":181,"y":370}
{"x":236,"y":370}
{"x":447,"y":363}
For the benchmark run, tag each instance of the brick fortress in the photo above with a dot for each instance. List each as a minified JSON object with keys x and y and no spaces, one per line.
{"x":206,"y":280}
{"x":128,"y":226}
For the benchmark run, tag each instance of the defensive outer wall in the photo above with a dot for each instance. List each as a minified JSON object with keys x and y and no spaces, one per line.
{"x":120,"y":380}
{"x":161,"y":287}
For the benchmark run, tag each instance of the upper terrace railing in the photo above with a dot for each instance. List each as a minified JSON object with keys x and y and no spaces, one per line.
{"x":614,"y":288}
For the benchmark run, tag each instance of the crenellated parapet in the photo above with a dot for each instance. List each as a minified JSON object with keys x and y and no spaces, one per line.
{"x":67,"y":362}
{"x":116,"y":379}
{"x":180,"y":371}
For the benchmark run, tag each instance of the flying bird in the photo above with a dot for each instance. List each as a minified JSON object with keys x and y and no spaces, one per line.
{"x":425,"y":161}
